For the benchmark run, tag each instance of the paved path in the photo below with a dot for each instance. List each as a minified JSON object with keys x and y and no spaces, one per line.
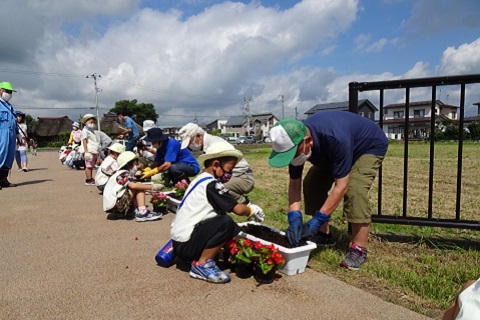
{"x":61,"y":259}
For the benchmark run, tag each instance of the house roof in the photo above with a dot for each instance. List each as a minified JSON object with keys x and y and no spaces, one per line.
{"x":343,"y":106}
{"x":235,"y":121}
{"x":420,"y":103}
{"x":52,"y":126}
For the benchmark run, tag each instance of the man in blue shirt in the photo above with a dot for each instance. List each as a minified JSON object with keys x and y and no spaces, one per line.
{"x":170,"y":158}
{"x":131,"y":130}
{"x":346,"y":150}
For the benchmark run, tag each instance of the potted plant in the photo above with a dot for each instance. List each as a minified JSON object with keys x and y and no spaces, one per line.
{"x":266,"y":262}
{"x":180,"y":188}
{"x":159,"y":202}
{"x":242,"y":255}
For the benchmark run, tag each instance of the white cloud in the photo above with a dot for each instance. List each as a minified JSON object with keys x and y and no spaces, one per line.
{"x":201,"y":64}
{"x":363,"y":43}
{"x":462,"y":60}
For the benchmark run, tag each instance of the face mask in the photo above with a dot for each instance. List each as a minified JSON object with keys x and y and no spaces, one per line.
{"x":133,"y":170}
{"x":6,"y":96}
{"x":225,"y":177}
{"x":194,"y":146}
{"x":301,"y":158}
{"x":91,"y":125}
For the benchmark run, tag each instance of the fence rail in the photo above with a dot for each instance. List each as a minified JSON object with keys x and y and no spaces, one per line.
{"x":407,"y":84}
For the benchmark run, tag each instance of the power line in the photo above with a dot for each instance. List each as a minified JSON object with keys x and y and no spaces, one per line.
{"x":124,"y":83}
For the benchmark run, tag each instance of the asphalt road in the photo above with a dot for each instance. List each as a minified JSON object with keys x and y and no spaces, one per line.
{"x":61,"y":259}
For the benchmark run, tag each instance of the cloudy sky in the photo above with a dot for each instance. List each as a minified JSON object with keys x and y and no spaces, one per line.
{"x":203,"y":58}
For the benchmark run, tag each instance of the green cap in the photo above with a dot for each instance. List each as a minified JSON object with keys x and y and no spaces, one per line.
{"x":286,"y":135}
{"x":6,"y":86}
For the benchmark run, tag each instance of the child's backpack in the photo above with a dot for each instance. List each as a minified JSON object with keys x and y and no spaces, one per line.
{"x":112,"y":191}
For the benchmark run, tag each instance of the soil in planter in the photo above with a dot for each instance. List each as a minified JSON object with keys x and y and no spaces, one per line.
{"x":174,"y":196}
{"x":267,"y":234}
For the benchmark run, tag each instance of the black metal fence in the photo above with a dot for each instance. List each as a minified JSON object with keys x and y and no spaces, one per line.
{"x":407,"y":84}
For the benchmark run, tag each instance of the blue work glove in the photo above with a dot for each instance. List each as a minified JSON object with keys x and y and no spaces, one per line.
{"x":312,"y":227}
{"x":294,"y":231}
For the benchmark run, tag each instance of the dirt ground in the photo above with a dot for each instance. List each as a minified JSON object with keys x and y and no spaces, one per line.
{"x":61,"y":259}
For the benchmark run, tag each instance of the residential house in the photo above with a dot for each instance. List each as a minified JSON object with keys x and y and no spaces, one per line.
{"x":261,"y":124}
{"x":172,"y":132}
{"x":49,"y":129}
{"x":218,"y":124}
{"x":236,"y":124}
{"x":419,"y":118}
{"x":365,"y":108}
{"x":258,"y":125}
{"x":476,"y":117}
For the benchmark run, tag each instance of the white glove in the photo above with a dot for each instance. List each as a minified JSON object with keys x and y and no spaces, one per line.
{"x":257,"y":212}
{"x":88,"y":156}
{"x":157,"y":187}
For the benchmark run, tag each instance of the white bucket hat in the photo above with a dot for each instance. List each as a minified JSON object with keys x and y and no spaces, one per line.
{"x":75,"y":124}
{"x":117,"y":147}
{"x":219,"y":150}
{"x":186,"y":132}
{"x":125,"y":157}
{"x":148,"y":124}
{"x":88,"y":116}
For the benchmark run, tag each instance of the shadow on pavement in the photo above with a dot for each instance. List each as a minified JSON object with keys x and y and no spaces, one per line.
{"x":32,"y":182}
{"x":35,"y":169}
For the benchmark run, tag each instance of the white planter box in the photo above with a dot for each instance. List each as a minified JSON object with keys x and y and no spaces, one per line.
{"x":295,"y":258}
{"x":172,"y":203}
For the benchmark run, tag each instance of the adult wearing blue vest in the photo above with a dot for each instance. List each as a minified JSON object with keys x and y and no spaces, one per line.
{"x":346,"y":150}
{"x":130,"y":129}
{"x":170,"y":158}
{"x":8,"y":134}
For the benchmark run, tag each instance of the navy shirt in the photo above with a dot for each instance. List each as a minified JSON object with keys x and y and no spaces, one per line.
{"x":171,"y":151}
{"x":339,"y":139}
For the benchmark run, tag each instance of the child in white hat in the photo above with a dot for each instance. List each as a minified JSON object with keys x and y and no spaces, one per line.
{"x":109,"y":166}
{"x":122,"y":193}
{"x":201,"y":225}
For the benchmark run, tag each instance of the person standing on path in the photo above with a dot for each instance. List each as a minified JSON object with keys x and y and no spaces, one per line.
{"x":90,"y":147}
{"x":22,"y":142}
{"x":75,"y":134}
{"x":346,"y":150}
{"x":8,"y":133}
{"x":131,"y":129}
{"x":240,"y":182}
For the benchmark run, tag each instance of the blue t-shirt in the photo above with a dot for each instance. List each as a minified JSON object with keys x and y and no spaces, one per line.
{"x":130,"y":124}
{"x":339,"y":139}
{"x":171,"y":151}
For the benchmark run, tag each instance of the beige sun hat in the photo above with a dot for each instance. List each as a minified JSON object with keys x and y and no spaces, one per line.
{"x":117,"y":147}
{"x":186,"y":132}
{"x":125,"y":157}
{"x":88,"y":116}
{"x":219,"y":150}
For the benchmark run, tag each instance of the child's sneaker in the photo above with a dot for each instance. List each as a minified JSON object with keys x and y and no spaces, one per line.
{"x":89,"y":182}
{"x":147,"y":216}
{"x":355,"y":258}
{"x":209,"y":272}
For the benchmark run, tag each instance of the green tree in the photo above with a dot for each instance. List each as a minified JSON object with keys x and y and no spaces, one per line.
{"x":474,"y":130}
{"x":30,"y":121}
{"x":139,"y":112}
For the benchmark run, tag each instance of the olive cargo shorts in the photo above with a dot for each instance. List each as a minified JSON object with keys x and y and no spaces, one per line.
{"x":317,"y":184}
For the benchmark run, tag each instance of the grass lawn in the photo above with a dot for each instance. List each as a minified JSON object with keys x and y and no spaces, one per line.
{"x":421,"y":268}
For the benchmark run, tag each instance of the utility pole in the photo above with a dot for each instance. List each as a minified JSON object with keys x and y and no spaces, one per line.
{"x":95,"y":76}
{"x":247,"y":112}
{"x":195,"y":119}
{"x":283,"y":105}
{"x":296,"y":113}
